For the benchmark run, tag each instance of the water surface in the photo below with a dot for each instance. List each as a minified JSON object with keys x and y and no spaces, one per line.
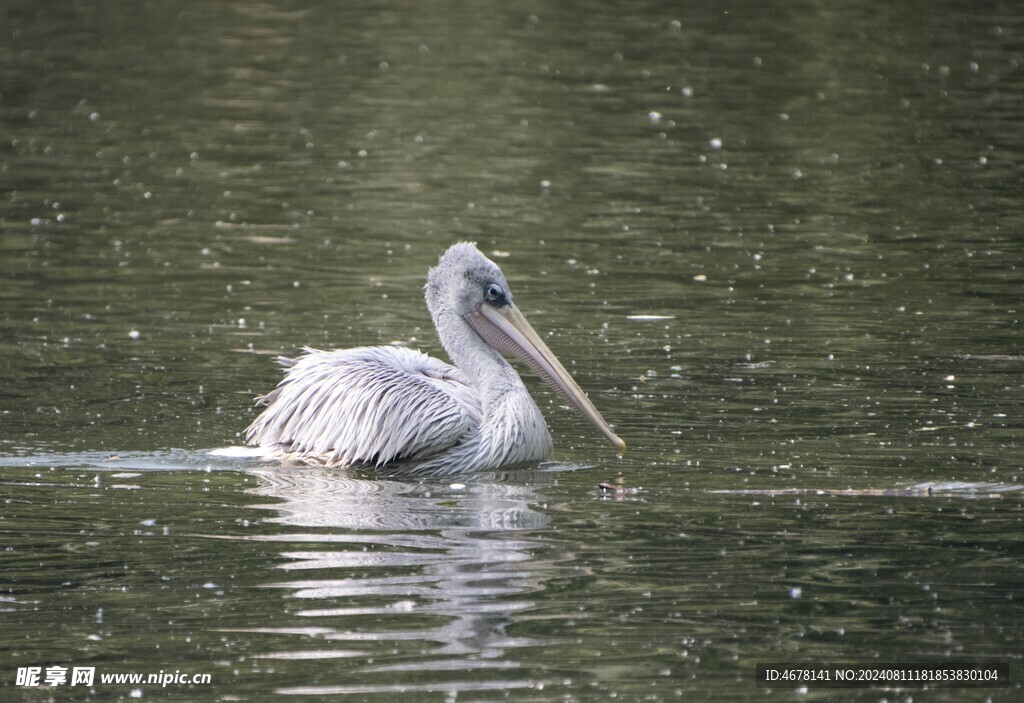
{"x":780,"y":247}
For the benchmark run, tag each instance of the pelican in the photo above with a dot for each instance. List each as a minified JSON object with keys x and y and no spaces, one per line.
{"x":400,"y":410}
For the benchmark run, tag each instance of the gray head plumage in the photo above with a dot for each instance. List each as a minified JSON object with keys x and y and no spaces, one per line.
{"x":459,"y":282}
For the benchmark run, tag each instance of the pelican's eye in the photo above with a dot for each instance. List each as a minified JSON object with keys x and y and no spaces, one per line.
{"x":495,"y":295}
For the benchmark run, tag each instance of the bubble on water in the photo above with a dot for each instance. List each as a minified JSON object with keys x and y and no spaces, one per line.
{"x":134,"y":334}
{"x":654,"y":117}
{"x":715,"y":143}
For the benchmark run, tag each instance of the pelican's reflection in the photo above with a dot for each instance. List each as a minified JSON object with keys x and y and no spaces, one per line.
{"x":410,"y":576}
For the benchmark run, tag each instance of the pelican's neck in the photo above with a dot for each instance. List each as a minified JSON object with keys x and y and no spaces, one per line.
{"x":512,"y":427}
{"x":485,"y":367}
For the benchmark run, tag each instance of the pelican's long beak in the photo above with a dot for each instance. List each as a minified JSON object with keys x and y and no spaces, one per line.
{"x":507,"y":330}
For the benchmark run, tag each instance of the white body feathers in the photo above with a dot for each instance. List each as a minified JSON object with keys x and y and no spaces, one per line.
{"x":391,"y":406}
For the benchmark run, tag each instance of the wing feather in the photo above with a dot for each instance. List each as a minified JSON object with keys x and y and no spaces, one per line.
{"x":369,"y":405}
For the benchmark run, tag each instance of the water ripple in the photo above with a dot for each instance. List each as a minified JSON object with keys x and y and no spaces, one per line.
{"x":395,"y":564}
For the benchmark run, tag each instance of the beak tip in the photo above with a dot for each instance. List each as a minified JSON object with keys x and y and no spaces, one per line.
{"x":620,"y":443}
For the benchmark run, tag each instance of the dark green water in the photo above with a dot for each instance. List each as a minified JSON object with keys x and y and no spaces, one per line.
{"x":781,"y":246}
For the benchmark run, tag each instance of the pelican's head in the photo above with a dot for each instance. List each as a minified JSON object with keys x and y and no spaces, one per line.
{"x":463,"y":280}
{"x":467,"y":284}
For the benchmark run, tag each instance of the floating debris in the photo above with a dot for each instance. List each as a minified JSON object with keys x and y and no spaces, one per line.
{"x":644,"y":317}
{"x":928,"y":488}
{"x":992,"y":357}
{"x":617,"y":488}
